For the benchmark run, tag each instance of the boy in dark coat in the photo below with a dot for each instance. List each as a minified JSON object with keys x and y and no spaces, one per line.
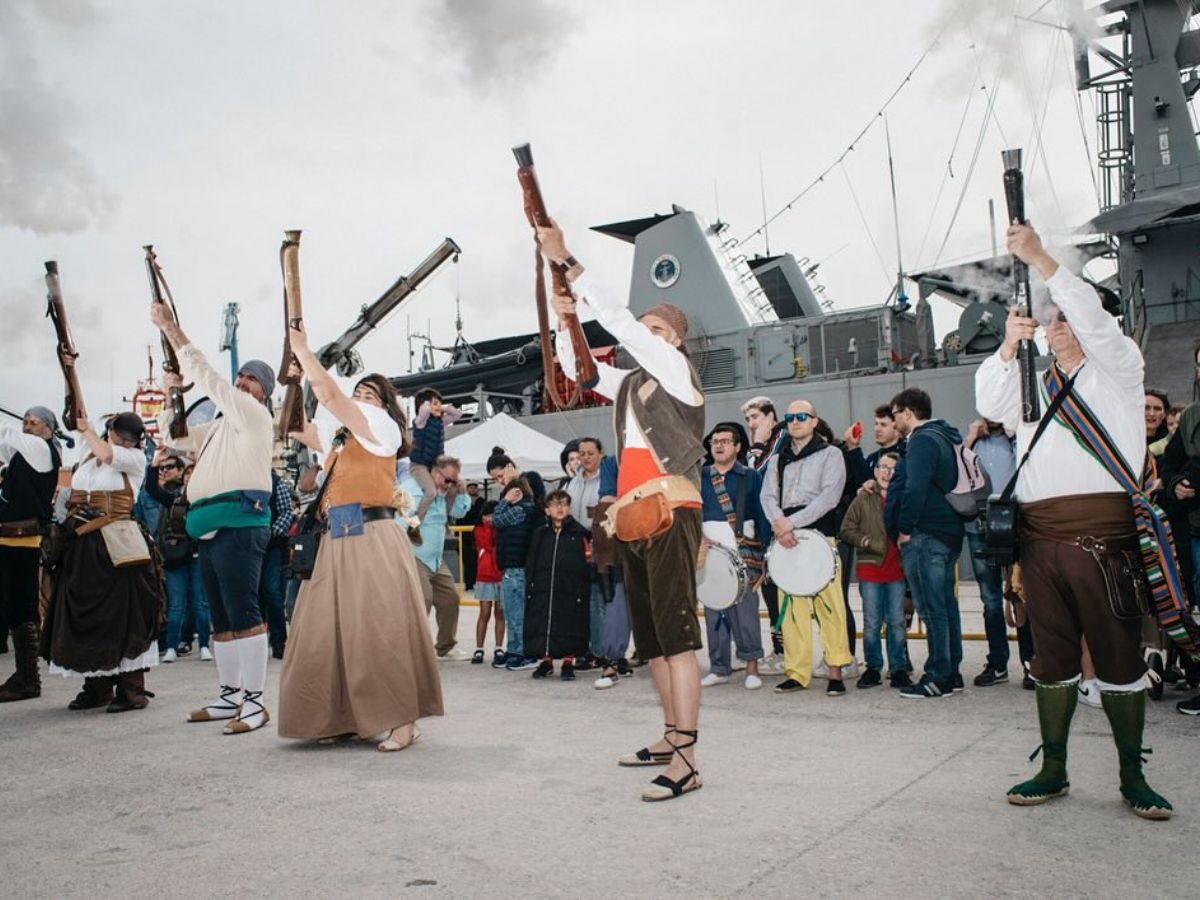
{"x":557,"y":589}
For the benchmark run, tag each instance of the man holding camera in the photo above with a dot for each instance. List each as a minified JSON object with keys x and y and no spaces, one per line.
{"x":1078,"y":538}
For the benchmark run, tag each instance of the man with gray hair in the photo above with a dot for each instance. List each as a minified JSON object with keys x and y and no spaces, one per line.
{"x":229,"y":512}
{"x":31,"y":458}
{"x":1086,"y":525}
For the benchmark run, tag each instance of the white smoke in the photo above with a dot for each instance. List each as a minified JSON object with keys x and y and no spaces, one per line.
{"x":500,"y":42}
{"x":47,"y":185}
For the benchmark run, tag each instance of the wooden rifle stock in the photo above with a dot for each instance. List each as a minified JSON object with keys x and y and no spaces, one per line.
{"x":291,"y":417}
{"x":160,"y":292}
{"x":1014,"y":196}
{"x":67,"y":354}
{"x":585,"y":366}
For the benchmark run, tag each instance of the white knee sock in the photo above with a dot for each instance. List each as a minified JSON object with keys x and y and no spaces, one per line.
{"x":252,"y":653}
{"x":229,"y":672}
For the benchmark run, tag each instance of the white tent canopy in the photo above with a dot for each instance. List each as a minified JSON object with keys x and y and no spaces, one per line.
{"x":529,"y":449}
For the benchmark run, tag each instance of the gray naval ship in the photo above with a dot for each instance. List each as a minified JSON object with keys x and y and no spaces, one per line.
{"x":758,"y":328}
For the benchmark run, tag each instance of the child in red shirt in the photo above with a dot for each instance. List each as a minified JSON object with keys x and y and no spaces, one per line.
{"x":487,"y":588}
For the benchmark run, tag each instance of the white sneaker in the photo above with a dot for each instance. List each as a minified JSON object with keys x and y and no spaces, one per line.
{"x":205,"y":654}
{"x":170,"y":656}
{"x":771,"y":666}
{"x":1089,"y":693}
{"x":454,"y":655}
{"x":753,"y":683}
{"x":712,"y":679}
{"x":605,"y":681}
{"x":820,"y":670}
{"x":851,"y":671}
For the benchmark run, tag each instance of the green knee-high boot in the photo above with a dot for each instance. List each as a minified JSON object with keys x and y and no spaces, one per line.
{"x":1056,"y":706}
{"x":1126,"y":713}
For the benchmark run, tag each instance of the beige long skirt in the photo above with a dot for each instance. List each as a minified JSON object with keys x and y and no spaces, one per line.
{"x":359,"y":655}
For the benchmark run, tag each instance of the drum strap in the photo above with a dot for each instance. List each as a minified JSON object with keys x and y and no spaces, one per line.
{"x":749,"y":549}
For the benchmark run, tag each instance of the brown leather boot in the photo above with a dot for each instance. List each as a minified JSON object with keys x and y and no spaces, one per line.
{"x":131,"y":692}
{"x":96,"y":692}
{"x":26,"y":682}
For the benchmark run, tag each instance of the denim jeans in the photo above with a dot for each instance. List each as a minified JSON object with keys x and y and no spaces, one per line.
{"x":512,"y":595}
{"x":884,"y":602}
{"x":1196,"y":568}
{"x":270,"y":594}
{"x":740,"y":623}
{"x":185,"y":590}
{"x":596,"y":620}
{"x":929,"y":565}
{"x":991,"y":593}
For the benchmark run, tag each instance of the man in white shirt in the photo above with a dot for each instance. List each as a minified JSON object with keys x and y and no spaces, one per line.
{"x":659,"y":416}
{"x":1076,"y":518}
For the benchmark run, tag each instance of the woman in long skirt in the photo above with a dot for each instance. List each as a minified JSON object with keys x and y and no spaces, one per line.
{"x":359,"y":659}
{"x":103,"y":621}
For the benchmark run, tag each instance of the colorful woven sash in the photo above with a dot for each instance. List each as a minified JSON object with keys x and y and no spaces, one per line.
{"x":1154,"y":531}
{"x":750,"y":550}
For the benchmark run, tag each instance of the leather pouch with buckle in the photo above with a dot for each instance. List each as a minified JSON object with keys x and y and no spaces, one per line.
{"x":345,"y":520}
{"x":644,"y":518}
{"x":1125,"y":580}
{"x":23,"y":528}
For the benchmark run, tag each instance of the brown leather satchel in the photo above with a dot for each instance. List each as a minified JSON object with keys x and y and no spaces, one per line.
{"x":644,"y":518}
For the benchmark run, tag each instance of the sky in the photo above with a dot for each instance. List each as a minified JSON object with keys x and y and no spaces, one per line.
{"x":378,"y":128}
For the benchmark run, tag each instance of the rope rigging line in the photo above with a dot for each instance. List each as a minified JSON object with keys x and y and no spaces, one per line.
{"x":988,"y":116}
{"x":858,"y":206}
{"x":1035,"y":141}
{"x":976,"y":83}
{"x":867,"y":127}
{"x":1075,"y":96}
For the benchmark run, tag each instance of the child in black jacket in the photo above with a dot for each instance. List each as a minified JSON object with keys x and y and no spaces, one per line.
{"x":557,"y":589}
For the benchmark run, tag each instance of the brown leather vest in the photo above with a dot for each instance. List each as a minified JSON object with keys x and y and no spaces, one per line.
{"x":673,"y":429}
{"x":112,"y":504}
{"x":360,"y":477}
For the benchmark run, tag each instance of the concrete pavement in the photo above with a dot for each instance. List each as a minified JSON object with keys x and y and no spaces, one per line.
{"x":515,"y":792}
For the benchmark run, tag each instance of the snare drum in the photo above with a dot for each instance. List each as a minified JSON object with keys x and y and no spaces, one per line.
{"x":806,"y":569}
{"x":722,"y":581}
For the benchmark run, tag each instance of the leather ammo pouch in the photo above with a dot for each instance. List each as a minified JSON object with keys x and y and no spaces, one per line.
{"x":1125,"y":582}
{"x":644,"y":518}
{"x":23,"y":528}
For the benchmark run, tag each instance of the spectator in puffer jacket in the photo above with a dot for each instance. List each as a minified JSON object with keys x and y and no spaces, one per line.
{"x":516,"y":515}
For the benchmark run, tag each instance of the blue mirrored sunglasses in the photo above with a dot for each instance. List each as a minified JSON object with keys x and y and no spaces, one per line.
{"x":798,"y":417}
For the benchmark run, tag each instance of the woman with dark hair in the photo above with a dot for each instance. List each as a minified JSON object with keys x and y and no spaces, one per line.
{"x":107,"y":607}
{"x":359,"y":660}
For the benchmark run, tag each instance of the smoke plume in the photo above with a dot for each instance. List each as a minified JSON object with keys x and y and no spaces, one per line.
{"x":500,"y":41}
{"x":47,"y":185}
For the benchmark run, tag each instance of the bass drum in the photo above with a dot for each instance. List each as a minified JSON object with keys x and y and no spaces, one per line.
{"x":806,"y":569}
{"x":722,"y":581}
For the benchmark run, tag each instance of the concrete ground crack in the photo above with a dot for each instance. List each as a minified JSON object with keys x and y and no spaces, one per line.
{"x":850,"y":821}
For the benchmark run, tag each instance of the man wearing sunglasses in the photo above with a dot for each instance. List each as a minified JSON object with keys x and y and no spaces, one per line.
{"x":1080,"y":543}
{"x":801,"y":489}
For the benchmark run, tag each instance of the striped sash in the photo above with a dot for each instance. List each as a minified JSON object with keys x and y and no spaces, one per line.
{"x":1154,"y":531}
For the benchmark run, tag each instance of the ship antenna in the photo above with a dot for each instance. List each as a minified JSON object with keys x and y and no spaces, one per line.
{"x":901,"y":297}
{"x":458,"y":299}
{"x":762,"y":190}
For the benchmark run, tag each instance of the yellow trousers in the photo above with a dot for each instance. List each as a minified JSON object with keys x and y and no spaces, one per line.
{"x":829,"y":608}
